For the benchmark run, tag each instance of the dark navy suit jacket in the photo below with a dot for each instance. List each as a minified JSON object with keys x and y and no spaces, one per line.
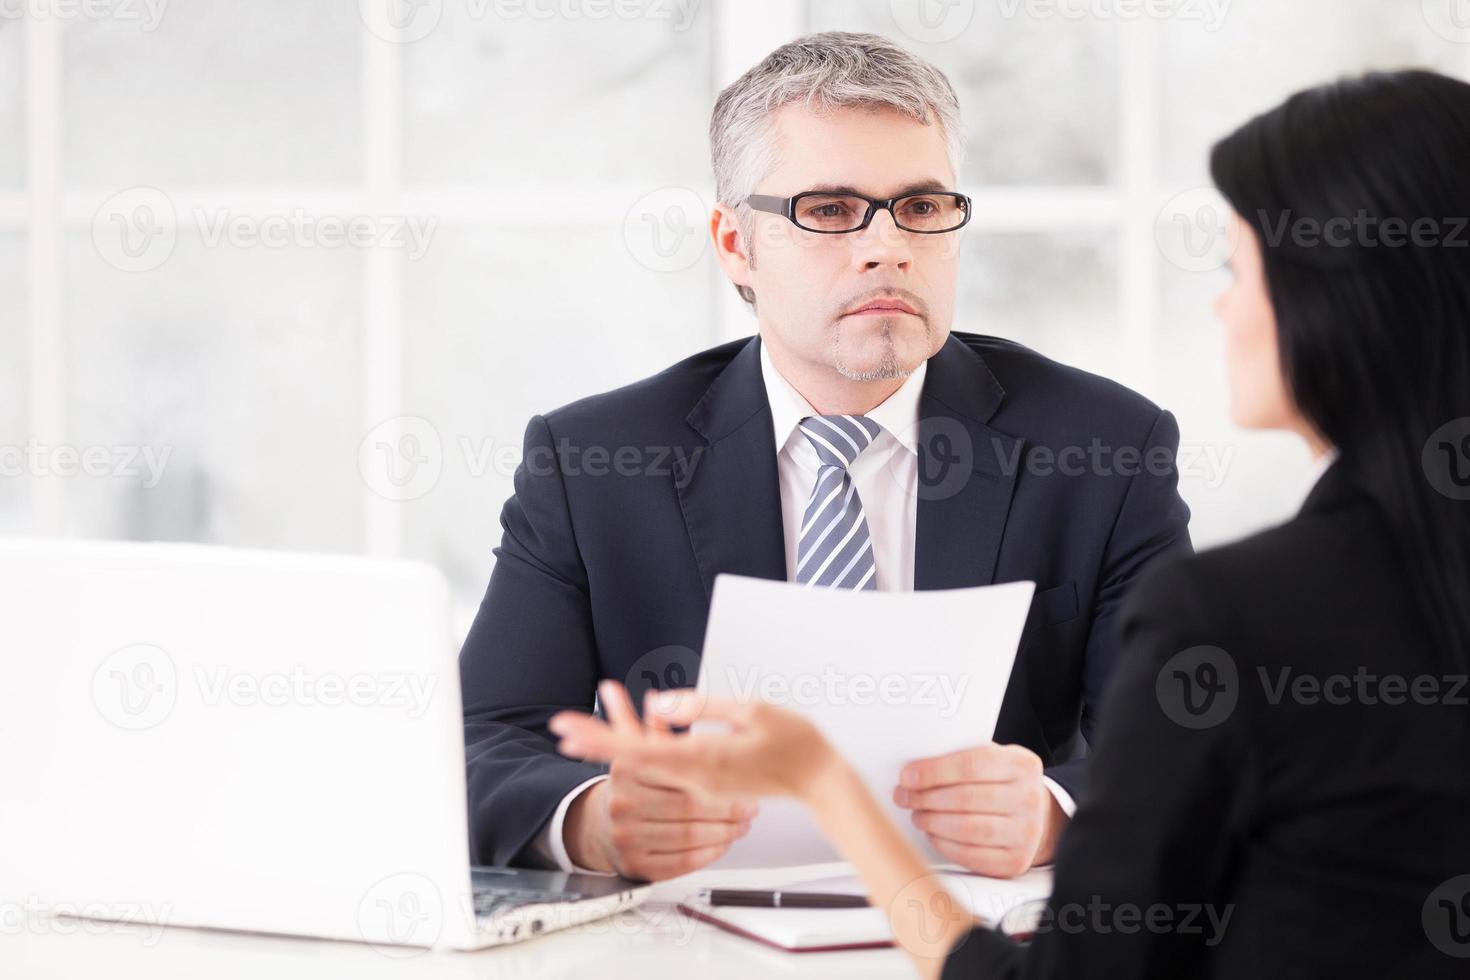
{"x":629,"y":503}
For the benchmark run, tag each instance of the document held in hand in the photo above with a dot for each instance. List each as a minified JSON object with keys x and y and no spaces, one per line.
{"x":889,"y":677}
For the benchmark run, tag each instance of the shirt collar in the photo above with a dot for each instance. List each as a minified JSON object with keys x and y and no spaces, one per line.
{"x":898,"y":414}
{"x":1320,"y":466}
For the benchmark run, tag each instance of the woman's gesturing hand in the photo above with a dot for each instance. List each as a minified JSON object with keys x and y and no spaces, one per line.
{"x":763,"y":750}
{"x":770,"y":751}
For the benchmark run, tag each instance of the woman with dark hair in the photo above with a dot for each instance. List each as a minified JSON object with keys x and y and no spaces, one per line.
{"x":1281,"y":786}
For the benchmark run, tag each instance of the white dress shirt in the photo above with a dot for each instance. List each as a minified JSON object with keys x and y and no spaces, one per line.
{"x":886,"y":476}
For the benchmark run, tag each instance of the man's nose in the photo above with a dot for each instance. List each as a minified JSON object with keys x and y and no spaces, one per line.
{"x":882,"y":243}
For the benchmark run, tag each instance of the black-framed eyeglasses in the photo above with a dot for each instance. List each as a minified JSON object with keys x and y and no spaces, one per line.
{"x":826,"y":213}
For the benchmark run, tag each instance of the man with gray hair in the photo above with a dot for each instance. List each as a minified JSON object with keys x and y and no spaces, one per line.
{"x":855,"y":442}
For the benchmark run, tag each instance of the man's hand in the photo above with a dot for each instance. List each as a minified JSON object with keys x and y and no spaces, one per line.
{"x":644,"y":825}
{"x":985,"y":808}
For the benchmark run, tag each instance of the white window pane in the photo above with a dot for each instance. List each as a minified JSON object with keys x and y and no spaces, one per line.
{"x":1054,"y":292}
{"x":245,"y":365}
{"x":511,"y":324}
{"x":219,"y":92}
{"x":1235,"y":481}
{"x":508,"y":100}
{"x":1254,"y":479}
{"x":12,"y":106}
{"x":1206,"y":94}
{"x":15,"y":430}
{"x":1038,"y":93}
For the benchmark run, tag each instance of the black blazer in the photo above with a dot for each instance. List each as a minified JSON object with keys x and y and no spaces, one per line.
{"x":1324,"y":818}
{"x":628,"y":504}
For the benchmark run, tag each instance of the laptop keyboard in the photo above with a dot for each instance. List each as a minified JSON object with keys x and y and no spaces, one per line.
{"x":491,"y":903}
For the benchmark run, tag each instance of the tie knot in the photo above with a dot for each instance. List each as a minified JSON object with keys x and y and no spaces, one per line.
{"x":839,"y":439}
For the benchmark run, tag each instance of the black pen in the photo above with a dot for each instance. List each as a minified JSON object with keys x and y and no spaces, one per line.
{"x":783,"y":900}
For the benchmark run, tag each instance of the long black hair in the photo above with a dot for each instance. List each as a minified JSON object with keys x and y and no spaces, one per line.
{"x":1359,"y":194}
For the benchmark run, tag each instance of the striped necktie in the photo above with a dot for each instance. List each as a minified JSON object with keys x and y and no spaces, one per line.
{"x":835,"y":550}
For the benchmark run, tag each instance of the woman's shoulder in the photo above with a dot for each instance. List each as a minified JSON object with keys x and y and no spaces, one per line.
{"x":1309,"y":576}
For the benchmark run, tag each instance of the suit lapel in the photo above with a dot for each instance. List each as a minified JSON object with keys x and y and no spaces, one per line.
{"x":729,"y":493}
{"x":967,"y":472}
{"x":731,"y":498}
{"x":1335,"y":488}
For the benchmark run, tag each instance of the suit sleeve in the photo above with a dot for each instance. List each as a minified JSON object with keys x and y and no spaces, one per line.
{"x":1153,"y":522}
{"x":530,"y":653}
{"x":1143,"y":885}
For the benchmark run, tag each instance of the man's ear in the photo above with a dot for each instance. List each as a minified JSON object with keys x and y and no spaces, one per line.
{"x":731,"y":247}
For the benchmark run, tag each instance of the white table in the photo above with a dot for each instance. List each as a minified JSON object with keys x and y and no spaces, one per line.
{"x":651,"y":941}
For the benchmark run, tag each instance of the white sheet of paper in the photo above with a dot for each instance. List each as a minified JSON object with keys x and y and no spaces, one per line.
{"x":888,"y":676}
{"x":989,"y":899}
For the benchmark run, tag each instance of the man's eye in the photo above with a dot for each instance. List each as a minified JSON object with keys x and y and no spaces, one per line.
{"x":829,"y":210}
{"x":921,"y":208}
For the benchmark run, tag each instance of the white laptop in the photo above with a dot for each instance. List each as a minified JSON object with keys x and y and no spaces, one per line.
{"x":201,"y":736}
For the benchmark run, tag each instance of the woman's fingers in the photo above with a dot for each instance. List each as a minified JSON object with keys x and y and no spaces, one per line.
{"x":684,"y":759}
{"x":619,"y":708}
{"x":586,"y":737}
{"x":566,"y":721}
{"x":683,"y":706}
{"x":656,"y":724}
{"x":676,"y":707}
